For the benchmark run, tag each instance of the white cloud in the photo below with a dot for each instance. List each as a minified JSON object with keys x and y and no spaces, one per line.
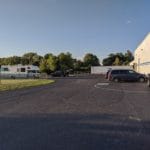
{"x":128,"y":22}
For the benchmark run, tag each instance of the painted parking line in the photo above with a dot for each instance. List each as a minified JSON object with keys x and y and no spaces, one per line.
{"x":104,"y":83}
{"x":135,"y":118}
{"x":107,"y":87}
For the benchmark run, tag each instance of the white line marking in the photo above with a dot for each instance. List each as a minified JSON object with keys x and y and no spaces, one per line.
{"x":99,"y":84}
{"x":120,"y":90}
{"x":135,"y":118}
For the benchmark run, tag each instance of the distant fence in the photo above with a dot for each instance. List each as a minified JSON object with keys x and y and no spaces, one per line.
{"x":104,"y":69}
{"x":18,"y":75}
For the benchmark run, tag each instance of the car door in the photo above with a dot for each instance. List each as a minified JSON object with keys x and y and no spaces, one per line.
{"x":124,"y":75}
{"x":132,"y":75}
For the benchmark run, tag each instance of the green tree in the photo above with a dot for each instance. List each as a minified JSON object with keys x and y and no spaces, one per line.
{"x":109,"y":60}
{"x":90,"y":60}
{"x":44,"y":66}
{"x":36,"y":59}
{"x":49,"y":64}
{"x":65,"y":61}
{"x":113,"y":59}
{"x":117,"y":61}
{"x":52,"y":63}
{"x":31,"y":59}
{"x":128,"y":57}
{"x":78,"y":65}
{"x":14,"y":60}
{"x":46,"y":56}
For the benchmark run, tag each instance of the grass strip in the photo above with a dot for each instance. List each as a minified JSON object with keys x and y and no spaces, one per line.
{"x":11,"y":84}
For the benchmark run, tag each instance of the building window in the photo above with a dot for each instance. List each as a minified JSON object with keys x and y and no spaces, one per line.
{"x":23,"y":69}
{"x":5,"y":69}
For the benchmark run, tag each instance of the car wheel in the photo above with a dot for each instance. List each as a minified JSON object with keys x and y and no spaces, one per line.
{"x":141,"y":79}
{"x":116,"y":80}
{"x":12,"y":77}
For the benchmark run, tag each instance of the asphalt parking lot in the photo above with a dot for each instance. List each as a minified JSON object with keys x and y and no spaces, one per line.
{"x":76,"y":113}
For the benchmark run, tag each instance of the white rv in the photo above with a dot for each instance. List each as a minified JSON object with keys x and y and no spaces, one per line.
{"x":19,"y":71}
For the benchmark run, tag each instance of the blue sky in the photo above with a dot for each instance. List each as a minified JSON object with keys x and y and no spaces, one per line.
{"x":78,"y":26}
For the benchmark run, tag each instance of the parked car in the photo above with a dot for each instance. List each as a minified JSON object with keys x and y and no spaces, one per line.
{"x":59,"y":73}
{"x":117,"y":75}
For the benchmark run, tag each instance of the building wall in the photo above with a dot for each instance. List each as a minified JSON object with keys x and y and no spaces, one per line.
{"x":104,"y":69}
{"x":142,"y":56}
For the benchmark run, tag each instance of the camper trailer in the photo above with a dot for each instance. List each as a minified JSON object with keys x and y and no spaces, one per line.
{"x":19,"y":71}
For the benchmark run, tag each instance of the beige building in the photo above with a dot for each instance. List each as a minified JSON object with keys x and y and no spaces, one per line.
{"x":141,"y":61}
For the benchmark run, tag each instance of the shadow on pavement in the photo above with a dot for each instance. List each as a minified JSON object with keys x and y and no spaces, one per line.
{"x":73,"y":132}
{"x":89,"y":76}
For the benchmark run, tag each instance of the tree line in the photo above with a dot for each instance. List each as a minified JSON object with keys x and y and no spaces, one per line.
{"x":118,"y":59}
{"x":50,"y":62}
{"x":64,"y":61}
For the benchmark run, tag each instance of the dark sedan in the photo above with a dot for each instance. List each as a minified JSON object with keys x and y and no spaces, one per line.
{"x":125,"y":75}
{"x":59,"y":73}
